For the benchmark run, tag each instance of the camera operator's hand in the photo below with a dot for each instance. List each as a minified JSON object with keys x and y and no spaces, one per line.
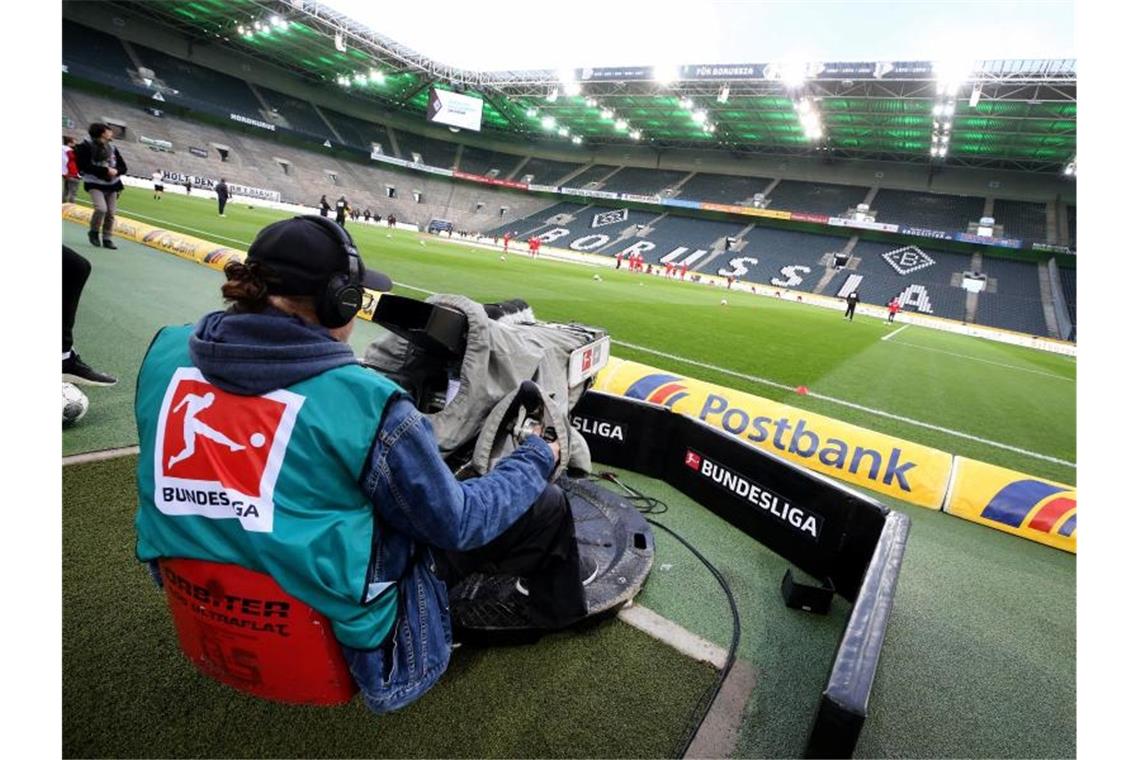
{"x":555,"y":448}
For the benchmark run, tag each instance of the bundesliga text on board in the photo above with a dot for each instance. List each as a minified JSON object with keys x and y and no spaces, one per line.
{"x":767,"y":501}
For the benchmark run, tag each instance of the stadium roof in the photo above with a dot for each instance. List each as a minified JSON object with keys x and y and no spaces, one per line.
{"x":1008,"y":114}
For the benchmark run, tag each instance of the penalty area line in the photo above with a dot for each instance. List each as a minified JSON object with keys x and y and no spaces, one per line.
{"x":896,"y":332}
{"x":850,"y":405}
{"x":100,"y":456}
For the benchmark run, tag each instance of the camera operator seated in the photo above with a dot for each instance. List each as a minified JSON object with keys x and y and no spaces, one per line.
{"x":266,"y":445}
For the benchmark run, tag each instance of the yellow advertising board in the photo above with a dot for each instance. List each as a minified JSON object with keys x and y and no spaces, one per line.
{"x":1010,"y":501}
{"x":911,"y":472}
{"x":213,"y":255}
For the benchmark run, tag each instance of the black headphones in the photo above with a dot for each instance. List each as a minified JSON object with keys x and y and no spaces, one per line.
{"x":343,"y":295}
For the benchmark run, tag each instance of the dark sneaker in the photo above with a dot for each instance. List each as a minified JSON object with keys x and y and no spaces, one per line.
{"x":93,"y":238}
{"x":109,"y":243}
{"x":76,"y":370}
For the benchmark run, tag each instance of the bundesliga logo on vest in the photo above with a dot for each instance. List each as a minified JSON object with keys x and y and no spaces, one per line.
{"x":217,"y":454}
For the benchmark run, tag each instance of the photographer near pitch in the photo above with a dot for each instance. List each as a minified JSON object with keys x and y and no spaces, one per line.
{"x":101,"y":165}
{"x":365,"y":522}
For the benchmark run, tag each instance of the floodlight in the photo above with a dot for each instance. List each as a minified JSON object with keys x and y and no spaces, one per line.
{"x":942,"y":152}
{"x":563,"y":132}
{"x":710,"y":127}
{"x":277,"y":21}
{"x":945,"y":138}
{"x":241,"y":29}
{"x":975,"y":96}
{"x":700,"y":116}
{"x":567,"y":76}
{"x":620,"y":124}
{"x":552,"y":95}
{"x":635,"y":134}
{"x":607,"y":113}
{"x":532,"y":112}
{"x":591,"y":102}
{"x":338,"y":41}
{"x":360,"y":78}
{"x":572,"y":89}
{"x":934,"y":151}
{"x":686,"y":103}
{"x":257,"y":26}
{"x":793,"y":74}
{"x":376,"y":75}
{"x":723,"y":96}
{"x":665,"y":74}
{"x":548,"y":122}
{"x":951,"y":74}
{"x":576,"y":140}
{"x":937,"y":109}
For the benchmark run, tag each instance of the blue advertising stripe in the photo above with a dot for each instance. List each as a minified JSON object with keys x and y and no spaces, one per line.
{"x":1012,"y":503}
{"x":675,"y":399}
{"x":1069,"y":526}
{"x":646,"y":385}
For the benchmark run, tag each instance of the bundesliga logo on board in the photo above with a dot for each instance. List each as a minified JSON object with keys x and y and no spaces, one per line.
{"x":218,"y":455}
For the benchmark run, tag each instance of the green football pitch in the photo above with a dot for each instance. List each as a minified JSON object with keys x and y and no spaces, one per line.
{"x":979,"y":658}
{"x":1006,"y":405}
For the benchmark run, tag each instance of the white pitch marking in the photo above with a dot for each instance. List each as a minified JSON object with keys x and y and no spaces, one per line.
{"x":896,"y":332}
{"x":684,"y":641}
{"x":100,"y":456}
{"x":764,"y":381}
{"x":849,"y":404}
{"x":986,"y":361}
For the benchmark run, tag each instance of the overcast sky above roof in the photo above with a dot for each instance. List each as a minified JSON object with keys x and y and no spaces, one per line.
{"x":492,"y":35}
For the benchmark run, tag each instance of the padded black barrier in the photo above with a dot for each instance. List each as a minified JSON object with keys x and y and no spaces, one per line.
{"x":843,"y":707}
{"x":824,"y":528}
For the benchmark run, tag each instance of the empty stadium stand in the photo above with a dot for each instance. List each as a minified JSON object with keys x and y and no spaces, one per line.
{"x":298,"y":115}
{"x":783,"y":258}
{"x":592,"y":174}
{"x":643,"y":181}
{"x":891,"y":270}
{"x":816,"y":197}
{"x":255,"y":161}
{"x":94,"y":55}
{"x":683,"y":239}
{"x":434,"y":152}
{"x":545,"y":171}
{"x":1015,"y":303}
{"x":1020,"y":219}
{"x":479,"y":161}
{"x":358,"y":133}
{"x":940,"y":212}
{"x":723,"y":188}
{"x":200,"y":87}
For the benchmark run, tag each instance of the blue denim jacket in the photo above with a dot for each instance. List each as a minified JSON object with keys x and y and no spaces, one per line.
{"x":419,"y":503}
{"x":422,"y":505}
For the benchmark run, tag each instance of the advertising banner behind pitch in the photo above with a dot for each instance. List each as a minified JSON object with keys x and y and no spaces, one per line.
{"x":195,"y":249}
{"x":1040,"y":510}
{"x":914,"y":473}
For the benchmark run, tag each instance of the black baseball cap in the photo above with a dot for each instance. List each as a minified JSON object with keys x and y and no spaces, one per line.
{"x":301,"y":254}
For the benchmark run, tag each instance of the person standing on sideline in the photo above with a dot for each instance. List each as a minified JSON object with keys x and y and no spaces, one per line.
{"x":893,"y":309}
{"x":325,"y":207}
{"x":70,"y":170}
{"x":852,"y":300}
{"x":75,"y":272}
{"x":158,"y":188}
{"x":342,"y":210}
{"x":101,"y":165}
{"x":223,"y":191}
{"x":187,"y":185}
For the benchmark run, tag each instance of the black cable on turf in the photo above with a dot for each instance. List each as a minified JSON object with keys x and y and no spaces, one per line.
{"x":705,"y":704}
